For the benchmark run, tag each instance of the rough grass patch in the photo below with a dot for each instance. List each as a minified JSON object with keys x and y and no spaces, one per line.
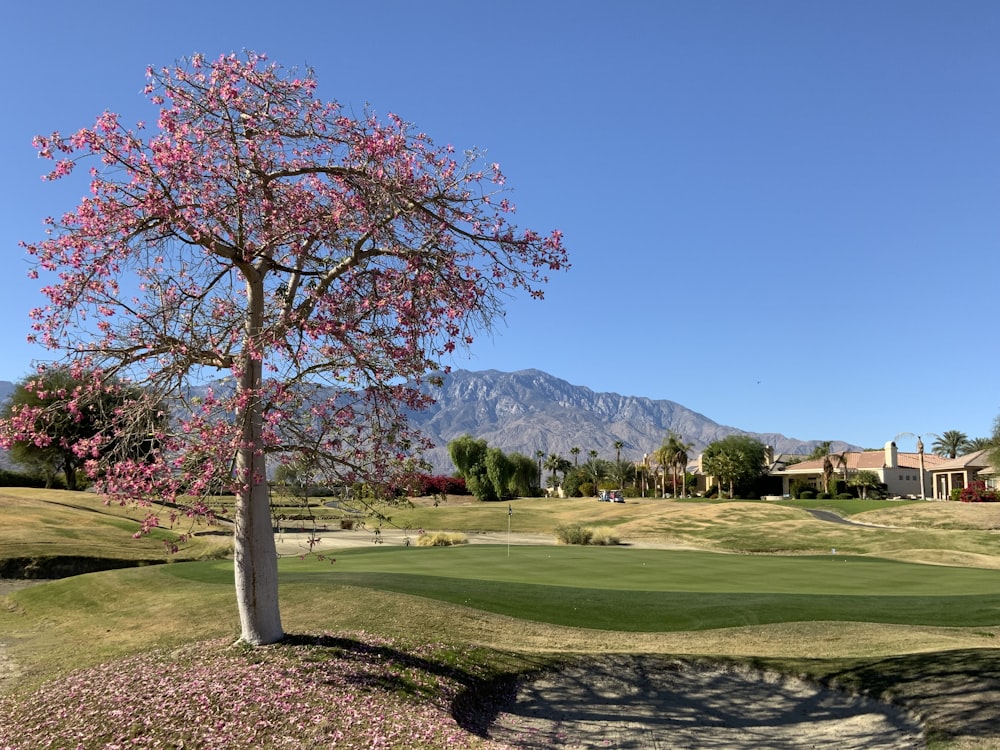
{"x":441,"y":539}
{"x":604,"y":536}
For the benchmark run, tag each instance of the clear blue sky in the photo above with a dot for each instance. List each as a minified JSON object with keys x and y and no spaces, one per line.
{"x":782,"y":214}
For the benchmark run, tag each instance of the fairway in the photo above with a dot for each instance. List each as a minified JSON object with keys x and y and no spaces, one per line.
{"x":655,"y":590}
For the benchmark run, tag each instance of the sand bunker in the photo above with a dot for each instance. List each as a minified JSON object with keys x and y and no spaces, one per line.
{"x":643,"y":703}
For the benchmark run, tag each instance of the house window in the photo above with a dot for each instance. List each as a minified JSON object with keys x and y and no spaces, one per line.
{"x":900,"y":477}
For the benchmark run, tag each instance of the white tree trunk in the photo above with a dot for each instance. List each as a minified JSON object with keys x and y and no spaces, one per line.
{"x":254,"y":551}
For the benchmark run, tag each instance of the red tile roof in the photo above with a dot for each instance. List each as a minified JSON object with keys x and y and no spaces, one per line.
{"x":857,"y":460}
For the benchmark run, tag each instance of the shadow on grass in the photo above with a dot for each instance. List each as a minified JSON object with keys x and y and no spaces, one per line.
{"x":484,"y":687}
{"x":956,"y":693}
{"x":636,"y":701}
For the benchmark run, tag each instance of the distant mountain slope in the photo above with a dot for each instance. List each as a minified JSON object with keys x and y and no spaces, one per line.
{"x":530,"y":410}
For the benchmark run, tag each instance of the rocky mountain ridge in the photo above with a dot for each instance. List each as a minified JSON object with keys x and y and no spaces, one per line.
{"x":530,"y":410}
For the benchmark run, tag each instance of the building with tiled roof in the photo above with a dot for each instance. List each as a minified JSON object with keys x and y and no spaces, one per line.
{"x":957,"y":473}
{"x":904,"y":474}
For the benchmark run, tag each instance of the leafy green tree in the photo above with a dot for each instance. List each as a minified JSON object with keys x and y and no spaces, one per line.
{"x":736,"y":460}
{"x":469,"y":456}
{"x":994,"y":455}
{"x":499,"y":472}
{"x":465,"y":452}
{"x":522,"y":481}
{"x":489,"y":473}
{"x":575,"y":452}
{"x":950,"y":443}
{"x":46,"y":438}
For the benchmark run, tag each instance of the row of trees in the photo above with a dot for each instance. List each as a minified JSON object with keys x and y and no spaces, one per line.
{"x":490,"y":474}
{"x":955,"y":443}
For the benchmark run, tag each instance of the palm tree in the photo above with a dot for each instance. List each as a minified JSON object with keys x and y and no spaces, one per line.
{"x":679,"y":450}
{"x":949,"y":443}
{"x":977,"y":444}
{"x":595,"y":470}
{"x":842,"y":463}
{"x":576,"y":455}
{"x":664,"y":456}
{"x":539,"y":455}
{"x":552,"y":463}
{"x":823,"y":451}
{"x":618,"y":451}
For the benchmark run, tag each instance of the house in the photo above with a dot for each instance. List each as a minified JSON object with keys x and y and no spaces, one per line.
{"x":957,"y":473}
{"x":904,"y":474}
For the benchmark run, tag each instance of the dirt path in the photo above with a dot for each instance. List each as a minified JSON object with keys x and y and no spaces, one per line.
{"x":641,"y":703}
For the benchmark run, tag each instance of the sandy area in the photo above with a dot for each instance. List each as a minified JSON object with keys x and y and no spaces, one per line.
{"x":642,"y":703}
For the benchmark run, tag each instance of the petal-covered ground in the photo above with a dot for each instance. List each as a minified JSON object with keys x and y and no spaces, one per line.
{"x":336,"y":691}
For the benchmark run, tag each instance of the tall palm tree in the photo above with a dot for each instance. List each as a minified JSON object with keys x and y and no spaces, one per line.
{"x":554,"y":463}
{"x":539,"y":455}
{"x":949,"y":443}
{"x":841,"y":459}
{"x":679,"y":451}
{"x":618,"y":451}
{"x":664,"y":456}
{"x":575,"y":450}
{"x":595,"y":470}
{"x":823,"y":451}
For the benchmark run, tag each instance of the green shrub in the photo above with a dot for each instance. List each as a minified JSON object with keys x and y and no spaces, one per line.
{"x":824,"y":496}
{"x":956,"y":494}
{"x":587,"y":489}
{"x":17,"y":479}
{"x":573,"y":534}
{"x":347,"y":524}
{"x":806,"y":495}
{"x":845,"y":496}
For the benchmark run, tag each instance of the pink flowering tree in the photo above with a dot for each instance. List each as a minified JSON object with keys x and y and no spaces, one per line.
{"x":315,"y":267}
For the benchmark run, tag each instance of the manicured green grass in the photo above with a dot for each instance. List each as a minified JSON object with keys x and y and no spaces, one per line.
{"x":656,"y":590}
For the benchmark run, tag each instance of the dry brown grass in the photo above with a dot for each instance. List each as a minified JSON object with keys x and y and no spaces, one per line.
{"x":54,"y":523}
{"x":938,"y":515}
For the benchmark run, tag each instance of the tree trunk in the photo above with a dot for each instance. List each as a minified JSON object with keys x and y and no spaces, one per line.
{"x":69,"y":472}
{"x":254,"y":551}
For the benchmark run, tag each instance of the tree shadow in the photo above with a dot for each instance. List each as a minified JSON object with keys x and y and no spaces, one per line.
{"x":633,"y":702}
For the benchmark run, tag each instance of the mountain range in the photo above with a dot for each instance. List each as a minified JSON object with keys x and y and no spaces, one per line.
{"x":530,"y":410}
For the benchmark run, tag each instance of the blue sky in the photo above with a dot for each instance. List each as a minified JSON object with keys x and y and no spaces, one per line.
{"x":782,"y":214}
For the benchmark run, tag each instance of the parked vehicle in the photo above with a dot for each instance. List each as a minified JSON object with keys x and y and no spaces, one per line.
{"x":611,"y":496}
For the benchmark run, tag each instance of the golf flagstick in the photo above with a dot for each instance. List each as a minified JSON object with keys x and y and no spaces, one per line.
{"x":510,"y":512}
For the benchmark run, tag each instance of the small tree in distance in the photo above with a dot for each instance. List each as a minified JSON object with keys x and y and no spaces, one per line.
{"x":322,"y":265}
{"x":736,"y":460}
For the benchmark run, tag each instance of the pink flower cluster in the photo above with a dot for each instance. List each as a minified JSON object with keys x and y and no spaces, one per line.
{"x":336,"y":691}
